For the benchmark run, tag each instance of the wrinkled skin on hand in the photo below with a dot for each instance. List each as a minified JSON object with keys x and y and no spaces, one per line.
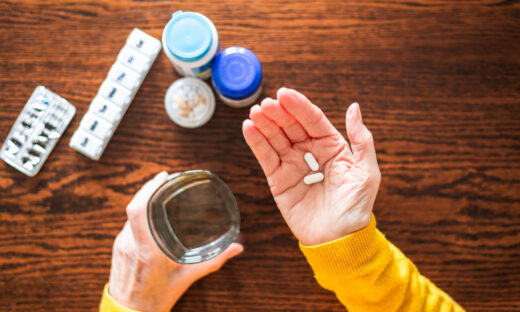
{"x":280,"y":131}
{"x":142,"y":277}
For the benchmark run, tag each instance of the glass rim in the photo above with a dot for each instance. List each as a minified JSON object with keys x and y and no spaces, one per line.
{"x":164,"y":246}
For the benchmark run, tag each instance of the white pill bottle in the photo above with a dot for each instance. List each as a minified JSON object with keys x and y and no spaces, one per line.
{"x":190,"y":41}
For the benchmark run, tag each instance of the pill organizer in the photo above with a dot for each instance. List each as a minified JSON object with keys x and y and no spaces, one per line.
{"x":36,"y":131}
{"x":115,"y":94}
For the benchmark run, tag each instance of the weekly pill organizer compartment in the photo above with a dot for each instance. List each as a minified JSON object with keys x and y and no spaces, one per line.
{"x":36,"y":131}
{"x":115,"y":94}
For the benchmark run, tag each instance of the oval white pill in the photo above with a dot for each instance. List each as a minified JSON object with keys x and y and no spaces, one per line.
{"x":311,"y":161}
{"x":313,"y":178}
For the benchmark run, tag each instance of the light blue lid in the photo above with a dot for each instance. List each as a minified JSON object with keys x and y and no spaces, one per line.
{"x":188,"y":36}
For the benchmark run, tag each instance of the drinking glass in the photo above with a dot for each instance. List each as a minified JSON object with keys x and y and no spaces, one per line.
{"x":193,"y":216}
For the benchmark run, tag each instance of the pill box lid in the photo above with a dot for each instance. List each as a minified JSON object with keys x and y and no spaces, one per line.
{"x":186,"y":89}
{"x":188,"y":36}
{"x":236,"y":73}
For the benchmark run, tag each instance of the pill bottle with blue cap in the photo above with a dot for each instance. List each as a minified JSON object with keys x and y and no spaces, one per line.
{"x":237,"y":76}
{"x":190,"y":40}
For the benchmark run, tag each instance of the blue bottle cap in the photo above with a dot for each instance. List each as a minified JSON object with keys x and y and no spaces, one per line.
{"x":236,"y":73}
{"x":188,"y":36}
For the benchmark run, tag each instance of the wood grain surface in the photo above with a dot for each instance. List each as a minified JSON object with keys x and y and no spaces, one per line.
{"x":439,"y":85}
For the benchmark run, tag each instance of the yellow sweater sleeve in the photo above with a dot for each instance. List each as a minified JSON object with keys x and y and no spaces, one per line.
{"x":108,"y":304}
{"x":368,"y":273}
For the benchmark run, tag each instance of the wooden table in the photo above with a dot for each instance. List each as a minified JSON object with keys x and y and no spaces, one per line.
{"x":439,"y":86}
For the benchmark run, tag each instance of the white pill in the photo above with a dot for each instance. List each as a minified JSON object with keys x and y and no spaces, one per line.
{"x":311,"y":161}
{"x":313,"y":178}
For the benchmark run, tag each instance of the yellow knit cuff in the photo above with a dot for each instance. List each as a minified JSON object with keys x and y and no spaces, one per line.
{"x":109,"y":304}
{"x":352,"y":255}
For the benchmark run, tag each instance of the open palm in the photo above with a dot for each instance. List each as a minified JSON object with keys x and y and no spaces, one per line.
{"x":280,"y":132}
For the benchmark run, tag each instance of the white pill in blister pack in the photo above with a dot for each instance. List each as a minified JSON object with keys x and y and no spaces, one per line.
{"x":311,"y":161}
{"x":32,"y":138}
{"x":313,"y":178}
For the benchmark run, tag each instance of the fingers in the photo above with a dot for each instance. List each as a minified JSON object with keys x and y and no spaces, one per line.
{"x":216,"y":263}
{"x":199,"y":270}
{"x":292,"y":128}
{"x":136,"y":210}
{"x":264,"y":152}
{"x":270,"y":130}
{"x":232,"y":251}
{"x":360,"y":138}
{"x":307,"y":114}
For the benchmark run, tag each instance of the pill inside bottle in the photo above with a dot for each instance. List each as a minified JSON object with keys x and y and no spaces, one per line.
{"x":189,"y":102}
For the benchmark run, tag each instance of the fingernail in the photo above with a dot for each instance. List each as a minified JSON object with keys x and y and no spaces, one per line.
{"x":266,"y":100}
{"x":353,"y":109}
{"x":239,"y":249}
{"x":358,"y":111}
{"x":238,"y":252}
{"x":282,"y":89}
{"x":254,"y":108}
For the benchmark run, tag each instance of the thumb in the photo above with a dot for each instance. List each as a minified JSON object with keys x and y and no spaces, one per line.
{"x":137,"y":209}
{"x":361,"y":140}
{"x":213,"y":265}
